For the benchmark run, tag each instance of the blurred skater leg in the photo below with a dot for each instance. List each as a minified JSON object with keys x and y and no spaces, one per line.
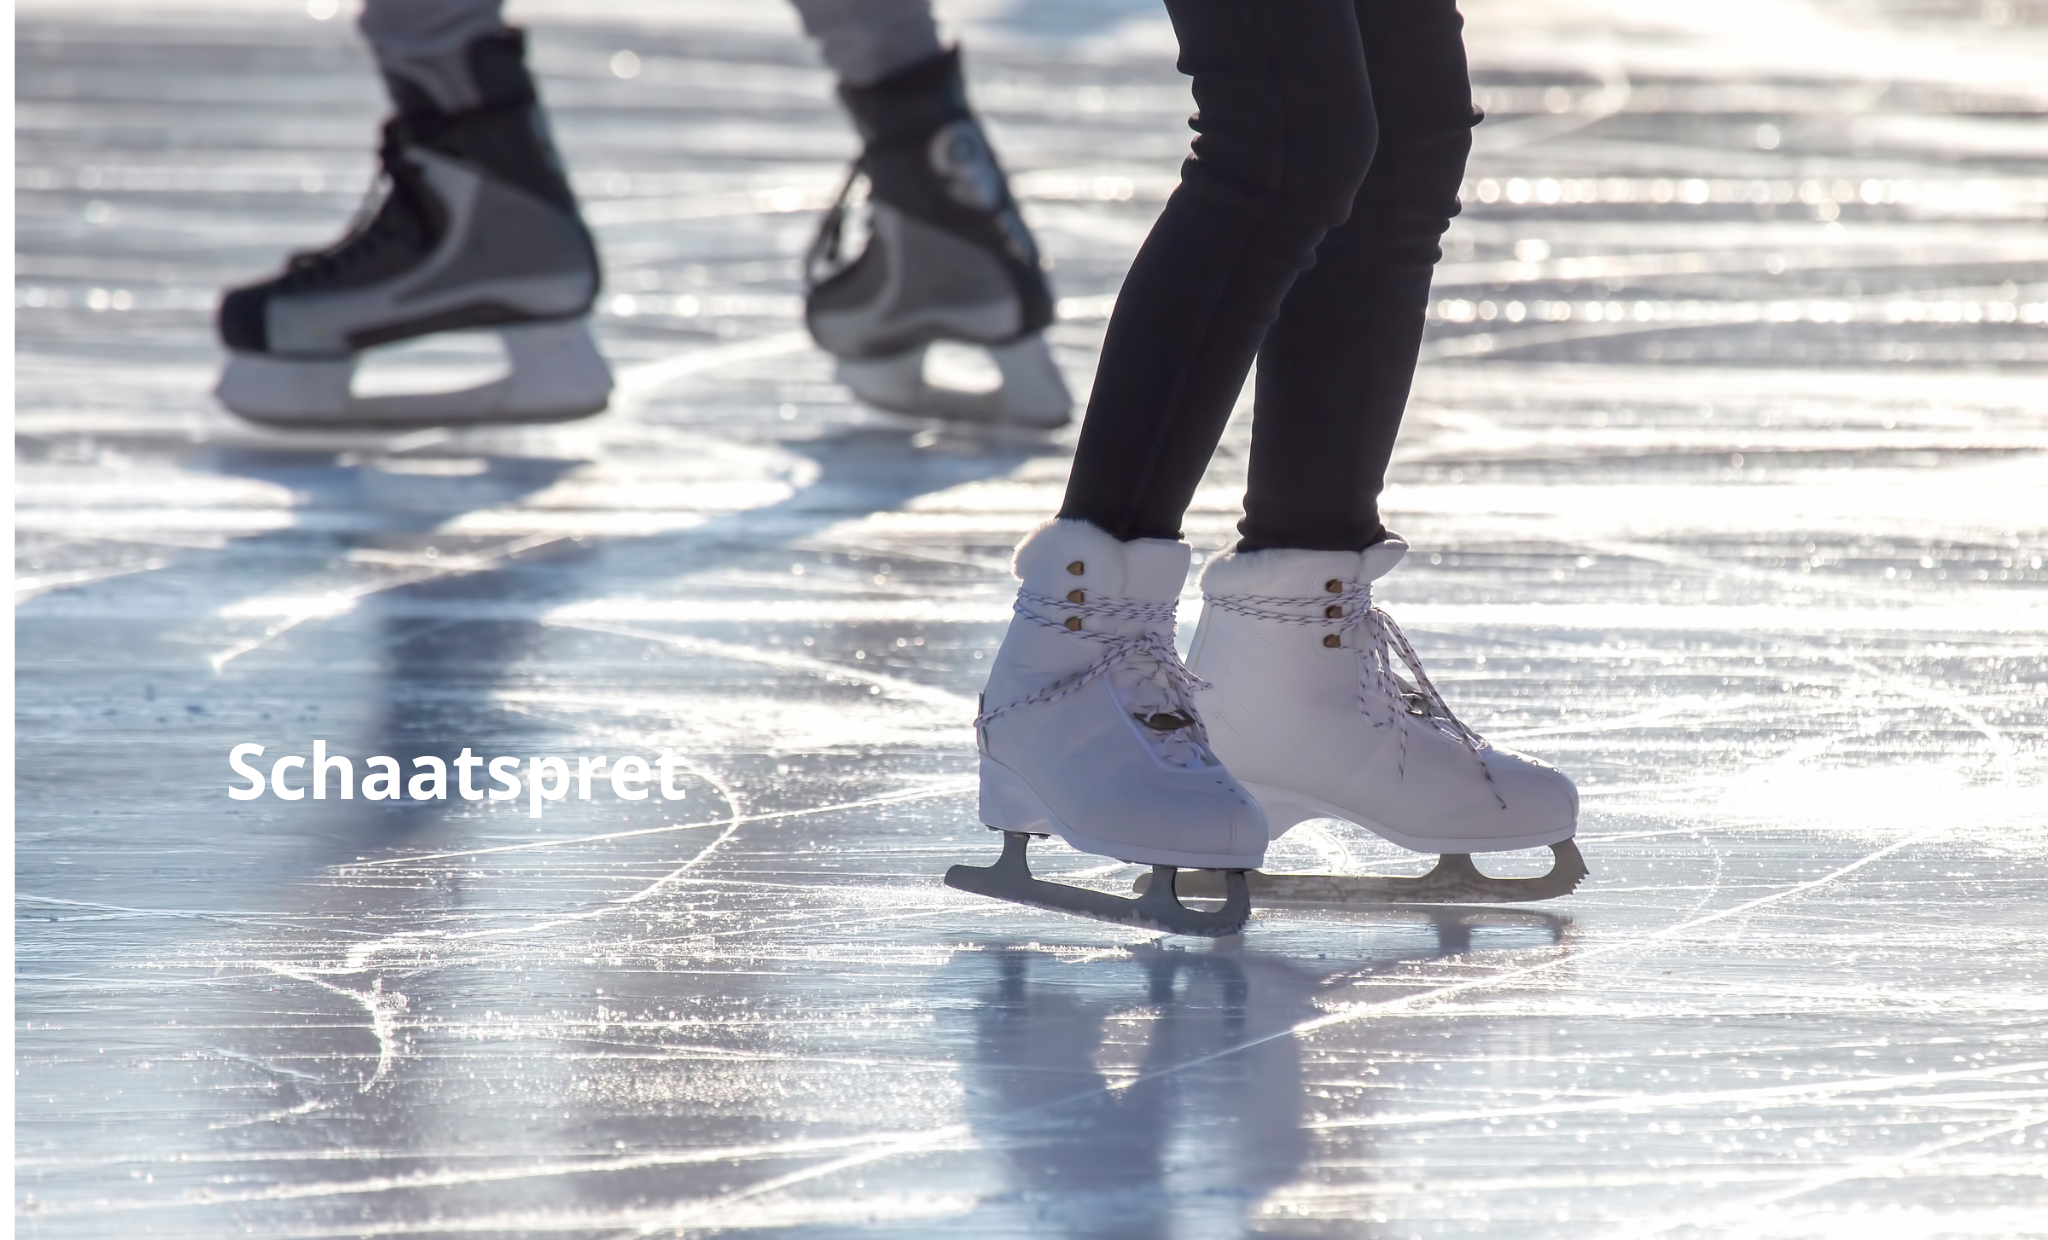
{"x":864,"y":41}
{"x":425,"y":42}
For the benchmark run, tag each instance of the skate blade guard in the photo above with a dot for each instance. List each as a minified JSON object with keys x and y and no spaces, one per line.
{"x":556,"y":375}
{"x":1032,"y":393}
{"x":1158,"y":907}
{"x":1453,"y":880}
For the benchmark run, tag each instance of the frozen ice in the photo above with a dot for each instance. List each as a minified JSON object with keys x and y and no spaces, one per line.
{"x":1727,"y":474}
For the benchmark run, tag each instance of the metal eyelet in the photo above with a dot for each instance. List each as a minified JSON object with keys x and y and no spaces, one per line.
{"x":1074,"y":623}
{"x":1334,"y":586}
{"x":1334,"y":612}
{"x":1077,"y":568}
{"x":1332,"y":640}
{"x":1076,"y":596}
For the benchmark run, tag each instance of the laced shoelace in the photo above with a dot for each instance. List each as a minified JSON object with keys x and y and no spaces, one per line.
{"x":826,"y":257}
{"x":370,"y":227}
{"x":1150,"y":653}
{"x":1382,"y":695}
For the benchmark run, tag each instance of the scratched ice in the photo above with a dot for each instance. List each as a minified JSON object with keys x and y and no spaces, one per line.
{"x":1728,"y":471}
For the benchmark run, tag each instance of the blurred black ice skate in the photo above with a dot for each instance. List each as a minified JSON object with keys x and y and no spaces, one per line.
{"x":471,"y":225}
{"x":947,"y":259}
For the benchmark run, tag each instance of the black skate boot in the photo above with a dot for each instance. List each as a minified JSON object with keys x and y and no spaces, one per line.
{"x":947,"y":258}
{"x":472,"y":225}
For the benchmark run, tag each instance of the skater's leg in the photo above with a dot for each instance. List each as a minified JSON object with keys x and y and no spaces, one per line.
{"x":1335,"y":369}
{"x":864,"y":41}
{"x":1286,"y":133}
{"x":1088,"y":729}
{"x":1317,"y":700}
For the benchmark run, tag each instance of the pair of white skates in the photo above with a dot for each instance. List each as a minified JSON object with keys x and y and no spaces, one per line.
{"x":1293,"y":706}
{"x":475,"y":227}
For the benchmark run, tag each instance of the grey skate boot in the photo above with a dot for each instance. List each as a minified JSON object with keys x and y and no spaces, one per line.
{"x":947,"y":258}
{"x":472,"y":225}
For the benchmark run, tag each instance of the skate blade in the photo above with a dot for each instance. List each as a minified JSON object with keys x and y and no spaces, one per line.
{"x":1454,"y":880}
{"x":557,"y":375}
{"x":1159,"y":908}
{"x":1032,"y":394}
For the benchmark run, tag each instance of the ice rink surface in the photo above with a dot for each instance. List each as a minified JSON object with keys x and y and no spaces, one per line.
{"x":1727,"y":472}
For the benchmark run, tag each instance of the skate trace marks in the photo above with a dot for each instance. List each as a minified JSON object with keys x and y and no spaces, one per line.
{"x":1723,"y":478}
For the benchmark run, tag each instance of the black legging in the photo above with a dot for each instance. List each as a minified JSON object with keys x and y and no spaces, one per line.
{"x":1332,"y":137}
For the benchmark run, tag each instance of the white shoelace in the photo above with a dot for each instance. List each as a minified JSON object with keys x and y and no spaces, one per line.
{"x":1382,"y":699}
{"x":1149,"y":653}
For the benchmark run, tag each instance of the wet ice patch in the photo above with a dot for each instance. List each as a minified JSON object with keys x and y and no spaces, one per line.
{"x":1906,"y":797}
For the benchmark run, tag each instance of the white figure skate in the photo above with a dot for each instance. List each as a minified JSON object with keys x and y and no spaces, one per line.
{"x":472,"y":225}
{"x":1309,"y":709}
{"x":1088,"y":733}
{"x":947,"y":258}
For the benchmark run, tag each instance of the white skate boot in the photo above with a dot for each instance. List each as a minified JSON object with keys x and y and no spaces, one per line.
{"x":472,"y":226}
{"x":947,"y":258}
{"x":1309,"y":709}
{"x":1088,"y":732}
